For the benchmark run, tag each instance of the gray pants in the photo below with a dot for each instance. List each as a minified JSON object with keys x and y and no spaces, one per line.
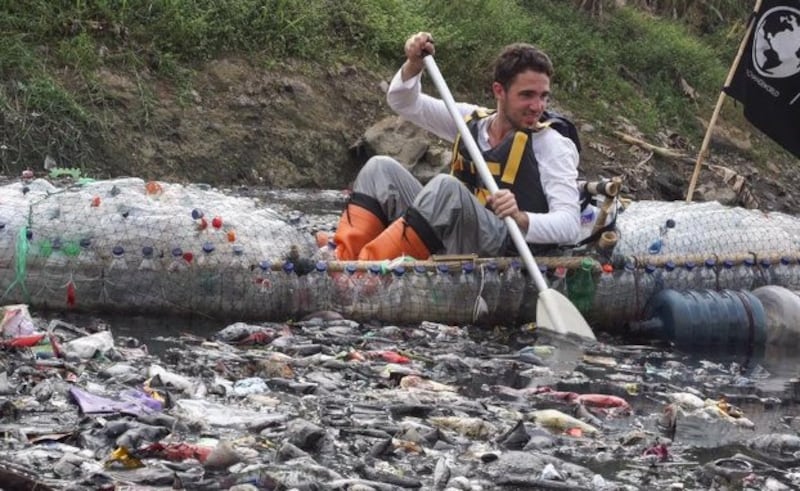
{"x":457,"y":218}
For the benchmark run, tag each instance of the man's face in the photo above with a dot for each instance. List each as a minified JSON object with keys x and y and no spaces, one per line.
{"x":525,"y":100}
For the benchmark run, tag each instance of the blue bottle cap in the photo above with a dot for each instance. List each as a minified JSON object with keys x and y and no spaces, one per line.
{"x":147,"y":251}
{"x":468,"y":268}
{"x":350,"y":269}
{"x":197,"y":214}
{"x":399,"y":271}
{"x":442,"y":268}
{"x":669,"y":265}
{"x":689,"y":265}
{"x":766,"y":263}
{"x":118,"y":250}
{"x":670,"y":223}
{"x":288,"y":267}
{"x":56,"y":243}
{"x":492,"y":265}
{"x":238,"y":250}
{"x":321,"y":266}
{"x":710,"y":262}
{"x":208,"y":247}
{"x":655,"y":247}
{"x":2,"y":225}
{"x":265,"y":265}
{"x":749,"y":262}
{"x":177,"y":252}
{"x":786,"y":260}
{"x":420,"y":269}
{"x":375,"y":269}
{"x":85,"y":242}
{"x":650,"y":268}
{"x":727,"y":264}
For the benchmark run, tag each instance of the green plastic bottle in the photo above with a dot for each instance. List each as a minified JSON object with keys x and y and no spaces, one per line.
{"x":581,"y":288}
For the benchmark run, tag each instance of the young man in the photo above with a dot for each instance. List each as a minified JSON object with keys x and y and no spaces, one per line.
{"x":391,"y":214}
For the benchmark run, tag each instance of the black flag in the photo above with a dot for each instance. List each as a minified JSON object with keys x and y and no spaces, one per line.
{"x":767,"y":80}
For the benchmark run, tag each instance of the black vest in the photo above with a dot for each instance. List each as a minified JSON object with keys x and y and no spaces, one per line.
{"x":512,"y":163}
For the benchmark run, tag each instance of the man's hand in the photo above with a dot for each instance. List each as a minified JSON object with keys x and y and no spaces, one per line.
{"x":417,"y":47}
{"x":504,"y":204}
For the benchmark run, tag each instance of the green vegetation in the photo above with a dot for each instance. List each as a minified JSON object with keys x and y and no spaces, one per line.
{"x":623,"y":63}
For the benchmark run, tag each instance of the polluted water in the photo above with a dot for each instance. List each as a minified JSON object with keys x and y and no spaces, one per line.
{"x":324,"y":402}
{"x":329,"y":403}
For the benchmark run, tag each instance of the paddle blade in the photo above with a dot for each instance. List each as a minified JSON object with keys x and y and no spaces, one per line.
{"x":556,"y":313}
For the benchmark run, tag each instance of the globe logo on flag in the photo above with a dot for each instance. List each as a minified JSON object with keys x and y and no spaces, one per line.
{"x":776,"y":43}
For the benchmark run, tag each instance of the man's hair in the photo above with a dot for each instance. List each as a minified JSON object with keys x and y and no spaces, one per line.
{"x":517,"y":58}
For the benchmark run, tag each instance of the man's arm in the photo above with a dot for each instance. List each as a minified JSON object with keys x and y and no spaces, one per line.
{"x":558,"y":171}
{"x":405,"y":95}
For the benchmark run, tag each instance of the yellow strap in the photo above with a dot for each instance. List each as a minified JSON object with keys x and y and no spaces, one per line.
{"x":515,"y":157}
{"x":481,"y":194}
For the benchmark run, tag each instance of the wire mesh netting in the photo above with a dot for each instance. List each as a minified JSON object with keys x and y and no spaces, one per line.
{"x":129,"y":245}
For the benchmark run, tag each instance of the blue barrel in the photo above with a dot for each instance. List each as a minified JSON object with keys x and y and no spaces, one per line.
{"x":701,"y":318}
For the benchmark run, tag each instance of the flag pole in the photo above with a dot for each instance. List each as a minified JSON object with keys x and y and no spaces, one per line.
{"x":720,"y":100}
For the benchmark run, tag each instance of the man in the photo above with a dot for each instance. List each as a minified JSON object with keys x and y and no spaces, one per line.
{"x":391,"y":214}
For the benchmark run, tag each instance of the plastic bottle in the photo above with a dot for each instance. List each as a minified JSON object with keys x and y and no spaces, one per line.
{"x":441,"y":292}
{"x":208,"y":258}
{"x":782,"y":273}
{"x":396,"y":297}
{"x":289,"y":290}
{"x":588,"y":220}
{"x":685,"y":278}
{"x":370,"y":293}
{"x":88,"y":274}
{"x":726,"y":278}
{"x":87,"y":258}
{"x":467,"y":294}
{"x":729,"y":320}
{"x":238,"y":282}
{"x":146,"y":288}
{"x":626,"y":301}
{"x":320,"y":287}
{"x":118,"y":261}
{"x":544,"y":270}
{"x":55,"y":275}
{"x":582,"y":288}
{"x":745,"y":275}
{"x":707,"y":275}
{"x":178,"y":263}
{"x":117,"y":284}
{"x":669,"y":275}
{"x":560,"y":280}
{"x":148,"y":262}
{"x":238,"y":259}
{"x":647,"y":286}
{"x":604,"y":296}
{"x":490,"y":281}
{"x":328,"y":251}
{"x":514,"y":286}
{"x":762,"y":274}
{"x":346,"y":290}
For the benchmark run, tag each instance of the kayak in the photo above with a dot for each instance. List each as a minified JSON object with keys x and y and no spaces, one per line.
{"x":126,"y":245}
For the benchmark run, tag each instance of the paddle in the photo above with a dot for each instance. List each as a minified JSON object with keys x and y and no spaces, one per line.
{"x":554,"y":311}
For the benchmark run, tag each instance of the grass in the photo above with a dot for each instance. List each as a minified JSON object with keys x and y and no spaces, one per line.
{"x":629,"y":63}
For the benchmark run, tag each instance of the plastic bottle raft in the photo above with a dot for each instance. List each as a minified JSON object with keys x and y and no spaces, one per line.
{"x":168,"y":249}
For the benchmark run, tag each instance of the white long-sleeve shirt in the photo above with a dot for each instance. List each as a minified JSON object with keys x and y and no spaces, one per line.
{"x":557,"y":157}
